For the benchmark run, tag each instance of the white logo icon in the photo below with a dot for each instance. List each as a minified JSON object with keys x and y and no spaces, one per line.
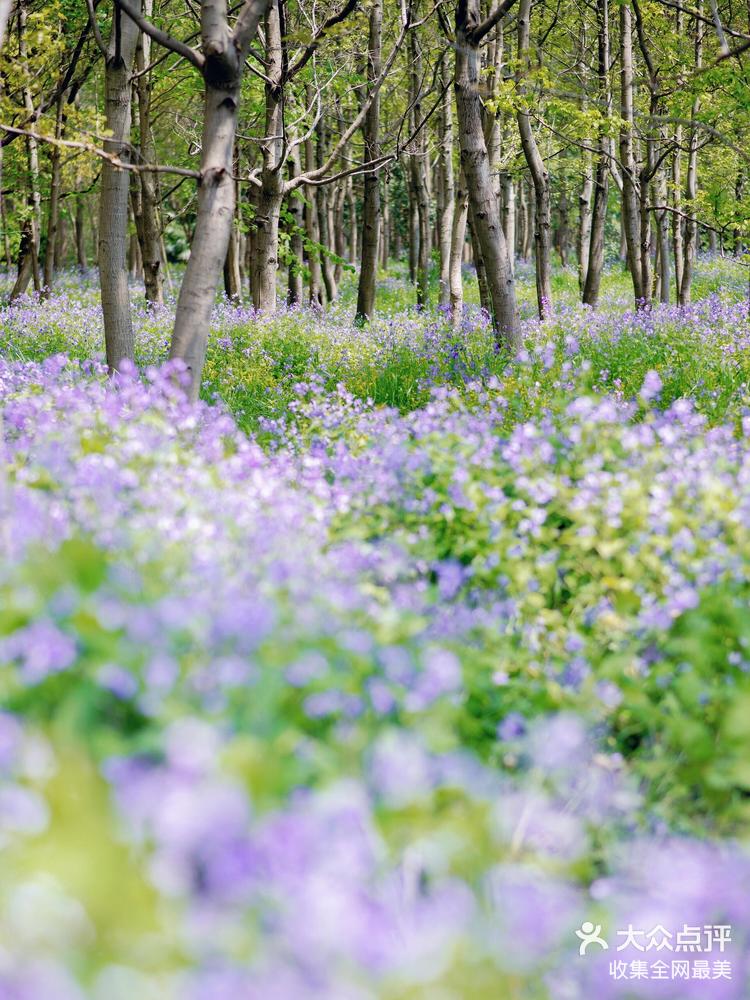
{"x":590,"y":935}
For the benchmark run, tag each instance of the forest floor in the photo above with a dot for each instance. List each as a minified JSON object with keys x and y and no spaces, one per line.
{"x":388,"y":672}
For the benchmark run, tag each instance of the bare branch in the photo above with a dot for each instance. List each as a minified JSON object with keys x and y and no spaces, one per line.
{"x":161,"y":37}
{"x":95,"y":28}
{"x":485,"y":27}
{"x":89,"y":147}
{"x":246,"y":25}
{"x":314,"y":175}
{"x":333,"y":20}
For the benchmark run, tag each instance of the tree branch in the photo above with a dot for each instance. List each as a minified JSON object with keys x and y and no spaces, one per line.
{"x":95,"y":28}
{"x":333,"y":20}
{"x":485,"y":27}
{"x":247,"y":23}
{"x":161,"y":37}
{"x":89,"y":147}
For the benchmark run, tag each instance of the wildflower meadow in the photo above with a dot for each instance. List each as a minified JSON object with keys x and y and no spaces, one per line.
{"x":395,"y":668}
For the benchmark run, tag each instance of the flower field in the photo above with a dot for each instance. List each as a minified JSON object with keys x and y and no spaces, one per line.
{"x":386,"y":669}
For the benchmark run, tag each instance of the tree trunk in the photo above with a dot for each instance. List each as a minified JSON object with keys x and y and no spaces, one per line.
{"x":326,"y":265}
{"x":508,"y":188}
{"x":484,"y":207}
{"x":595,"y":262}
{"x":295,"y":285}
{"x":225,"y":54}
{"x":150,"y":224}
{"x":113,"y":199}
{"x":562,"y":235}
{"x":539,"y":174}
{"x":351,"y":204}
{"x":691,"y":185}
{"x":232,"y":272}
{"x":630,"y":216}
{"x":662,"y":224}
{"x":413,"y":228}
{"x":446,"y":188}
{"x":61,"y":242}
{"x":585,"y":215}
{"x":313,"y":231}
{"x":271,"y":195}
{"x":418,"y":164}
{"x":385,"y":241}
{"x":28,"y":255}
{"x":371,"y":215}
{"x":339,"y":231}
{"x":53,"y":210}
{"x":80,"y":228}
{"x":458,"y":238}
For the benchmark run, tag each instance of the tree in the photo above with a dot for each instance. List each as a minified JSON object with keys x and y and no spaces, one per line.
{"x":483,"y":205}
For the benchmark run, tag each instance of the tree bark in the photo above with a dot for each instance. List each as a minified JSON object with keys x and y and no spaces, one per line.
{"x":28,"y":254}
{"x":53,"y":209}
{"x":371,"y":215}
{"x":323,"y":194}
{"x":224,"y":54}
{"x":313,"y":231}
{"x":80,"y":228}
{"x":150,"y":223}
{"x":595,"y":262}
{"x":458,"y":238}
{"x":113,"y":199}
{"x":295,"y":286}
{"x":271,"y":195}
{"x":446,"y":189}
{"x":418,"y":168}
{"x":691,"y":185}
{"x":484,"y":207}
{"x":539,"y":174}
{"x":630,"y":195}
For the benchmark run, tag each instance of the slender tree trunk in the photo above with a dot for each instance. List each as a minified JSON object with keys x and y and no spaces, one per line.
{"x":339,"y":230}
{"x":4,"y":206}
{"x":351,"y":203}
{"x":418,"y":164}
{"x":326,"y":265}
{"x":313,"y":231}
{"x":446,"y":187}
{"x":296,"y":246}
{"x":53,"y":210}
{"x":61,"y":241}
{"x":113,"y":200}
{"x":150,"y":224}
{"x":523,"y":217}
{"x":485,"y":212}
{"x":385,"y":242}
{"x":458,"y":238}
{"x":562,"y":235}
{"x":80,"y":229}
{"x":271,"y":195}
{"x":691,"y":186}
{"x":662,"y":224}
{"x":539,"y":174}
{"x":371,"y":215}
{"x":485,"y":297}
{"x":225,"y":53}
{"x":413,"y":228}
{"x":585,"y":214}
{"x":595,"y":263}
{"x":678,"y":223}
{"x":630,"y":216}
{"x":232,"y":271}
{"x":509,"y":215}
{"x":28,"y":256}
